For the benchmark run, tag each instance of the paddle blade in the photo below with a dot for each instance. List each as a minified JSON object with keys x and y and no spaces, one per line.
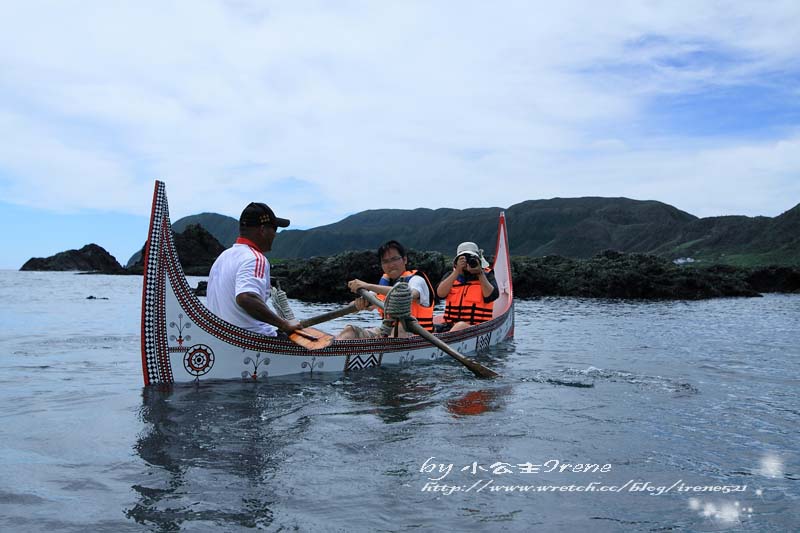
{"x":311,"y":339}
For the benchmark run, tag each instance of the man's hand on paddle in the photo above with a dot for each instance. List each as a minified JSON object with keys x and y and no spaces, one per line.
{"x":355,"y":284}
{"x":291,"y":326}
{"x":361,"y":303}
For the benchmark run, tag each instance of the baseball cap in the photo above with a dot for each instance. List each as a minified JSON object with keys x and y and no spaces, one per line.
{"x":258,"y":214}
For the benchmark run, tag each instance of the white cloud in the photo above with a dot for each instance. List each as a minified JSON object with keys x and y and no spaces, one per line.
{"x":483,"y":104}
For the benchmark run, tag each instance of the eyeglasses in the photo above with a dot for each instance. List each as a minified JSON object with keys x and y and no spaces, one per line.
{"x":391,"y":260}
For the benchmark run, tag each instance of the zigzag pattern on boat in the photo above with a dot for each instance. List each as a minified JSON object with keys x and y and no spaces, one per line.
{"x":482,"y":342}
{"x":359,"y":363}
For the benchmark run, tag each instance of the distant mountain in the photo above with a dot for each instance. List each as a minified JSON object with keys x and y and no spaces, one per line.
{"x":223,"y":228}
{"x":583,"y":227}
{"x":570,"y":227}
{"x":422,"y":229}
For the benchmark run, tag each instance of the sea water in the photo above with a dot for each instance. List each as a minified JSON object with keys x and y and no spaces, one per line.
{"x":608,"y":416}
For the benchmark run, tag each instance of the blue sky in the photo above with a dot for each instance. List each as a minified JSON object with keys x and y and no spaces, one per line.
{"x":323,"y":109}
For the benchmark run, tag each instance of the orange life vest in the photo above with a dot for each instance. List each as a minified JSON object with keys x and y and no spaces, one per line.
{"x":424,"y":315}
{"x":465,"y":303}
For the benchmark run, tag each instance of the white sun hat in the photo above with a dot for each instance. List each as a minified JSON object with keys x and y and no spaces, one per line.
{"x":470,"y":248}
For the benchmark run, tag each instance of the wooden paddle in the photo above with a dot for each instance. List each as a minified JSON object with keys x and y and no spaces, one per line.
{"x":330,"y":315}
{"x":311,"y":339}
{"x":412,"y":325}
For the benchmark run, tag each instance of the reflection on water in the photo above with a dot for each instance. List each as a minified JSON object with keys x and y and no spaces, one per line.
{"x":205,"y":442}
{"x":391,"y":396}
{"x":221,"y":452}
{"x":477,"y":402}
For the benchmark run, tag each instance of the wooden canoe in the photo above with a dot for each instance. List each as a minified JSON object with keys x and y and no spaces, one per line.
{"x":182,"y":341}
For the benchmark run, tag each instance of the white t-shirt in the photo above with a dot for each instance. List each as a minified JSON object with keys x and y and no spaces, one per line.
{"x":418,"y":283}
{"x":239,"y":269}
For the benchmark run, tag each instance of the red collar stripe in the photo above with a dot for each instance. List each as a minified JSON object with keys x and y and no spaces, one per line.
{"x":261,"y":261}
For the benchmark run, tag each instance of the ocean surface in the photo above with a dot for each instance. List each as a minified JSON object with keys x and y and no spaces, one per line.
{"x":609,"y":416}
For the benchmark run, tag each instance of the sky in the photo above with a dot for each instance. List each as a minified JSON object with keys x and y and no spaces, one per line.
{"x":324,"y":109}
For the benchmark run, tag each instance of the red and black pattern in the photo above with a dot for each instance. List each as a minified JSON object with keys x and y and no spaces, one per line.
{"x":199,"y":360}
{"x":153,"y":291}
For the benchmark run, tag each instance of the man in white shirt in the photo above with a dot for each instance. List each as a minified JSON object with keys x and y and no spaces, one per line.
{"x":239,"y":285}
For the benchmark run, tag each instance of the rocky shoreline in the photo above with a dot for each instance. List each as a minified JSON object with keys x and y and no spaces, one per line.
{"x":609,"y":274}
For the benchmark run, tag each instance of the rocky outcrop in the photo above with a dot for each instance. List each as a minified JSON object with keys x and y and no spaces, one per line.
{"x":90,"y":258}
{"x":613,"y":274}
{"x":201,"y":289}
{"x":224,"y":229}
{"x":609,"y":274}
{"x":774,"y":279}
{"x":197,"y":250}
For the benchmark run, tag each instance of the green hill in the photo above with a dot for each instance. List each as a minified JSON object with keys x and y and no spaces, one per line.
{"x":582,"y":227}
{"x":739,"y":240}
{"x":569,"y":227}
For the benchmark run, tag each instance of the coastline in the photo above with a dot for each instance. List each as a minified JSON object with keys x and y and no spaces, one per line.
{"x":609,"y":274}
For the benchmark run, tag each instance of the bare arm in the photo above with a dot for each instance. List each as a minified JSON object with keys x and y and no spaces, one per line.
{"x":443,"y":289}
{"x":356,"y":284}
{"x":486,"y":286}
{"x":459,"y":267}
{"x":257,"y":308}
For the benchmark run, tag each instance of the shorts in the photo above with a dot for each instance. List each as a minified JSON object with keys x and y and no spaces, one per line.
{"x":366,"y":333}
{"x":442,"y":328}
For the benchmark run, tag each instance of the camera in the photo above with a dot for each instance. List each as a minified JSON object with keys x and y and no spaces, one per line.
{"x":472,"y":261}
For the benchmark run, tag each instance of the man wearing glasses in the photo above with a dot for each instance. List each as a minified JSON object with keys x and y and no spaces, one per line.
{"x":394,"y":262}
{"x":239,"y":285}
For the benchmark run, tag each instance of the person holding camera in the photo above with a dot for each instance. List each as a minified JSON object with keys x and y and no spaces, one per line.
{"x":469,"y":290}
